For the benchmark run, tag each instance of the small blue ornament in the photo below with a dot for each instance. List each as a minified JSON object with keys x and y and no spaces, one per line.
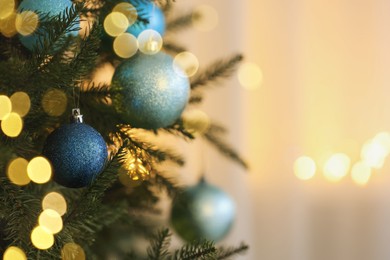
{"x":43,"y":7}
{"x":202,"y":212}
{"x":147,"y":10}
{"x":77,"y":153}
{"x":148,"y":92}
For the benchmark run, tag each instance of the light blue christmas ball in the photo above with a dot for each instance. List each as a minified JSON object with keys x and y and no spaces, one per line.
{"x":77,"y":153}
{"x":43,"y":7}
{"x":147,"y":10}
{"x":202,"y":212}
{"x":148,"y":92}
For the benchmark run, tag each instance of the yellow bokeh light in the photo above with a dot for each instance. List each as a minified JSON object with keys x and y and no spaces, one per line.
{"x":72,"y":251}
{"x":7,"y":8}
{"x":54,"y":102}
{"x":336,"y":167}
{"x":39,"y":170}
{"x":12,"y":125}
{"x":196,"y":121}
{"x":55,"y":201}
{"x":373,"y":154}
{"x":20,"y":103}
{"x":187,"y":62}
{"x":7,"y":25}
{"x":304,"y":168}
{"x":250,"y":76}
{"x":383,"y":139}
{"x":128,"y":10}
{"x":42,"y":238}
{"x":51,"y":220}
{"x":125,"y":45}
{"x":26,"y":22}
{"x":14,"y":253}
{"x":5,"y":107}
{"x":150,"y":42}
{"x":17,"y":171}
{"x":208,"y":20}
{"x":115,"y":24}
{"x":361,"y":173}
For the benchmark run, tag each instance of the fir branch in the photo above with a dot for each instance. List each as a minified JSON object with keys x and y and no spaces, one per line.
{"x":225,"y":253}
{"x":197,"y":250}
{"x":215,"y":71}
{"x":182,"y":21}
{"x":173,"y":47}
{"x":166,"y":183}
{"x":224,"y":148}
{"x":158,"y":248}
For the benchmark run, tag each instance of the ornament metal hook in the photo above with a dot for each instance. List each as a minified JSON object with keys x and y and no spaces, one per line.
{"x":76,"y":117}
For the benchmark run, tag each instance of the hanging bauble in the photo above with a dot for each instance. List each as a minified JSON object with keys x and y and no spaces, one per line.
{"x":147,"y":92}
{"x":147,"y":11}
{"x":45,"y":9}
{"x":202,"y":212}
{"x":77,"y":153}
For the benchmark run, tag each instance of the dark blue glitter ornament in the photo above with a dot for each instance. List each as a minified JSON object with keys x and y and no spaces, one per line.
{"x":77,"y":153}
{"x":202,"y":211}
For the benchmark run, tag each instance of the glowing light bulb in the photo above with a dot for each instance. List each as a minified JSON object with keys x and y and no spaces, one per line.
{"x":26,"y":22}
{"x":72,"y":251}
{"x":196,"y":121}
{"x":14,"y":253}
{"x":115,"y":24}
{"x":373,"y":154}
{"x":208,"y":18}
{"x":51,"y":220}
{"x":336,"y":167}
{"x":125,"y":45}
{"x":150,"y":42}
{"x":39,"y":170}
{"x":41,"y":238}
{"x":250,"y":76}
{"x":5,"y":107}
{"x":187,"y":62}
{"x":17,"y":171}
{"x":7,"y":8}
{"x":304,"y":168}
{"x":12,"y":125}
{"x":128,"y":10}
{"x":361,"y":173}
{"x":54,"y":102}
{"x":55,"y":201}
{"x":20,"y":103}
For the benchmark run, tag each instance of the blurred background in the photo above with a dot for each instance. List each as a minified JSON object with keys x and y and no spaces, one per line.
{"x":310,"y":112}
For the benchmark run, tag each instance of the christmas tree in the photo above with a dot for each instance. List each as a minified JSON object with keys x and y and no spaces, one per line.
{"x":83,"y":164}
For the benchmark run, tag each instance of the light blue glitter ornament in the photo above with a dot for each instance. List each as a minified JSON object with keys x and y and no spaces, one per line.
{"x":148,"y":92}
{"x":202,"y":212}
{"x":77,"y":153}
{"x":43,"y":7}
{"x":147,"y":10}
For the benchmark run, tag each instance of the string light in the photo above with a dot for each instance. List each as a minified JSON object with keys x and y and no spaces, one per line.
{"x":150,"y":42}
{"x":250,"y":76}
{"x":196,"y":121}
{"x":14,"y":253}
{"x":7,"y":8}
{"x":361,"y":173}
{"x":7,"y":25}
{"x":39,"y":170}
{"x":55,"y":201}
{"x":12,"y":125}
{"x":26,"y":22}
{"x":125,"y":45}
{"x":187,"y":62}
{"x":41,"y":238}
{"x":304,"y":168}
{"x":115,"y":24}
{"x":17,"y":171}
{"x":5,"y":107}
{"x":128,"y":10}
{"x":54,"y":102}
{"x":373,"y":154}
{"x":336,"y":167}
{"x":72,"y":251}
{"x":20,"y":103}
{"x":51,"y":220}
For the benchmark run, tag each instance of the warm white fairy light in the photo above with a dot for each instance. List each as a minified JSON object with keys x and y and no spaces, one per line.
{"x":125,"y":45}
{"x":39,"y":170}
{"x":72,"y":251}
{"x":250,"y":76}
{"x":14,"y":253}
{"x":305,"y":168}
{"x":55,"y":201}
{"x":361,"y":173}
{"x":51,"y":220}
{"x":12,"y":125}
{"x":54,"y":102}
{"x":20,"y":103}
{"x":150,"y":42}
{"x":336,"y":167}
{"x":128,"y":10}
{"x":5,"y":106}
{"x":7,"y":8}
{"x":7,"y":25}
{"x":17,"y":171}
{"x":41,"y":238}
{"x":26,"y":22}
{"x":187,"y":62}
{"x":115,"y":24}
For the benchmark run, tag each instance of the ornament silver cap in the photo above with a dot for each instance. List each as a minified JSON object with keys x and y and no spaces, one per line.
{"x":76,"y":117}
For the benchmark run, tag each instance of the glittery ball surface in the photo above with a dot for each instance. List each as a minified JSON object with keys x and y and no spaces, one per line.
{"x":77,"y":152}
{"x":150,"y":12}
{"x":44,"y":7}
{"x":148,"y":92}
{"x":202,"y":212}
